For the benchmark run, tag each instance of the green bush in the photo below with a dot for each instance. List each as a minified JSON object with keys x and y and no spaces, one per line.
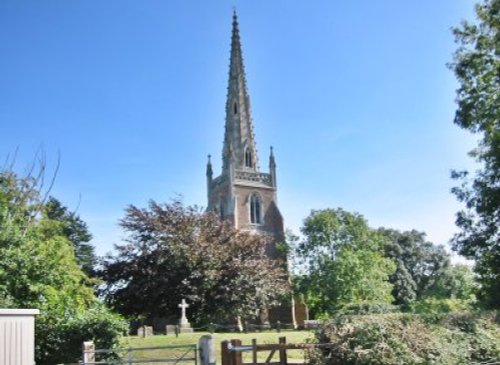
{"x":458,"y":338}
{"x":438,"y":306}
{"x":368,"y":308}
{"x":60,"y":341}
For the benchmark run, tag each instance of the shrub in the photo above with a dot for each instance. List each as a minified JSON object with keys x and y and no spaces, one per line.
{"x":369,"y":308}
{"x":437,"y":306}
{"x":61,"y":340}
{"x":409,"y":339}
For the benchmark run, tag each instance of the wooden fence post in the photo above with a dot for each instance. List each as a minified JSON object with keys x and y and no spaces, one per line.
{"x":88,"y":352}
{"x":236,"y":356}
{"x":254,"y":351}
{"x":207,"y":350}
{"x":225,"y":353}
{"x":282,"y":342}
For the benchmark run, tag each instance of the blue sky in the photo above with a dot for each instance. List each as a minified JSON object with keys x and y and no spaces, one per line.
{"x":354,"y":96}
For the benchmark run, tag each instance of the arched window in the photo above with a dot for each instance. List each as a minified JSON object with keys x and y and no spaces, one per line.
{"x":248,"y":158}
{"x":255,"y":209}
{"x":235,"y":108}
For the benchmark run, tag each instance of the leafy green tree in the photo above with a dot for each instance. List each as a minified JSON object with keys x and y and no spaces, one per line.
{"x":344,"y":262}
{"x":419,"y":263}
{"x":176,"y":252}
{"x":37,"y":265}
{"x":327,"y":230}
{"x":477,"y":67}
{"x":38,"y":270}
{"x":76,"y":230}
{"x":456,"y":282}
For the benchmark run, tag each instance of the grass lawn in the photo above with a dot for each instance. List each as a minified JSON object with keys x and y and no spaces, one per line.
{"x":193,"y":338}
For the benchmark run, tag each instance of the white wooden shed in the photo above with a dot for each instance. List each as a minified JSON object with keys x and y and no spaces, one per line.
{"x":17,"y":336}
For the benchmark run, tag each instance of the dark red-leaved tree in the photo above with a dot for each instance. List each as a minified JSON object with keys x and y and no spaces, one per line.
{"x":176,"y":252}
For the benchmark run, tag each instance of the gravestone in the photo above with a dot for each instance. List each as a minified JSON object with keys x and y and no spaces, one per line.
{"x":170,"y":329}
{"x":301,"y":312}
{"x":184,"y":325}
{"x":145,"y":331}
{"x":311,"y":324}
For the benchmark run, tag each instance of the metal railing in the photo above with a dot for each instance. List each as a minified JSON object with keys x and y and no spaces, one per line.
{"x":169,"y":354}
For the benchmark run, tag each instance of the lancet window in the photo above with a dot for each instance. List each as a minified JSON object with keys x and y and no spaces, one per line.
{"x":255,"y":209}
{"x":248,"y":158}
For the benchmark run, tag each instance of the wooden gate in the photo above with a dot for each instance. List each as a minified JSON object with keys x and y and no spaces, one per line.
{"x":175,"y":354}
{"x":232,"y":352}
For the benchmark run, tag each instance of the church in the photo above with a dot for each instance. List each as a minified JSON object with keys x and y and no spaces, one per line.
{"x":242,"y":193}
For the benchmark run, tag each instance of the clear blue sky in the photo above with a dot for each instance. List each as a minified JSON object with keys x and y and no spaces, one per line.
{"x":354,"y":96}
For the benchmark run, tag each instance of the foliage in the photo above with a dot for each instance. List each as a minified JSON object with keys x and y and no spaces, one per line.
{"x":419,"y":263}
{"x":433,"y":306}
{"x":368,"y":308}
{"x":477,"y":67}
{"x":344,"y":262}
{"x":328,"y":230}
{"x":76,"y":230}
{"x":62,"y":338}
{"x":176,"y":252}
{"x":456,"y":281}
{"x":37,"y":265}
{"x":38,"y":269}
{"x":354,"y":277}
{"x":409,"y":339}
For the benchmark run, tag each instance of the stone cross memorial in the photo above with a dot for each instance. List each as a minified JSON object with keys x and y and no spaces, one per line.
{"x":183,"y":307}
{"x":184,"y":325}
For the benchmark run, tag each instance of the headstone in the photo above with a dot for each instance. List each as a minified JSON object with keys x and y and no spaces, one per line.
{"x":184,"y":325}
{"x":145,"y":331}
{"x":311,"y":324}
{"x":301,"y":312}
{"x":239,"y":325}
{"x":170,"y":329}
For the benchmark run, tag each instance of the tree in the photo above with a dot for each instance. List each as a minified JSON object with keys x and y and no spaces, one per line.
{"x":327,"y":230}
{"x":477,"y":67}
{"x":176,"y":252}
{"x":37,"y":265}
{"x":38,"y":270}
{"x":419,"y":263}
{"x":456,"y":282}
{"x":344,"y":262}
{"x":76,"y":230}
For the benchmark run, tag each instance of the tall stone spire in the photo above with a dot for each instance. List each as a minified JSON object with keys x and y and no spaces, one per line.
{"x":242,"y":194}
{"x":239,"y":142}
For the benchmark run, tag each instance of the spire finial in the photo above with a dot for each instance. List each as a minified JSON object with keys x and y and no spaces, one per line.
{"x":235,"y":18}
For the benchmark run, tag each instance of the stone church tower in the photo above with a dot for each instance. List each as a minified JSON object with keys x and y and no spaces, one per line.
{"x":242,"y":193}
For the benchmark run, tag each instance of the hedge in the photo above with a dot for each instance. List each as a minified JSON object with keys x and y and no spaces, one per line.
{"x":397,"y":338}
